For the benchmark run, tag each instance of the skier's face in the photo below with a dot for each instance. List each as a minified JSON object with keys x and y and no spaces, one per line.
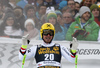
{"x":48,"y":36}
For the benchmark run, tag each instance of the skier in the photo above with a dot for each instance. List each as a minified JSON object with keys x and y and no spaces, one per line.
{"x":48,"y":54}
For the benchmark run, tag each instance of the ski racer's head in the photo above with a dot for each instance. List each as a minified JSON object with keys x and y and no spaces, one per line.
{"x":47,"y":32}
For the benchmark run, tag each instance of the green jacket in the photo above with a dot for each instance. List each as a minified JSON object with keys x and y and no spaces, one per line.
{"x":91,"y":26}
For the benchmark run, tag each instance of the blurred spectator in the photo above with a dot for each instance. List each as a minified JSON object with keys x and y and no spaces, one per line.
{"x":94,"y":1}
{"x":96,"y":13}
{"x":98,"y":1}
{"x":59,"y":16}
{"x":41,"y":11}
{"x":87,"y":3}
{"x":79,"y":1}
{"x":67,"y":19}
{"x":98,"y":4}
{"x":43,"y":19}
{"x":49,"y":9}
{"x":20,"y":18}
{"x":39,"y":2}
{"x":22,"y":3}
{"x":4,"y":5}
{"x":62,"y":4}
{"x":71,"y":4}
{"x":12,"y":4}
{"x":31,"y":30}
{"x":9,"y":27}
{"x":49,"y":3}
{"x":17,"y":1}
{"x":32,"y":2}
{"x":8,"y":10}
{"x":57,"y":2}
{"x":60,"y":21}
{"x":1,"y":13}
{"x":84,"y":27}
{"x":4,"y":2}
{"x":59,"y":32}
{"x":66,"y":9}
{"x":77,"y":7}
{"x":30,"y":12}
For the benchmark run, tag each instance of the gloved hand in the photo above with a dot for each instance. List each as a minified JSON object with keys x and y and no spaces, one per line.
{"x":84,"y":33}
{"x":74,"y":45}
{"x":81,"y":32}
{"x":25,"y":41}
{"x":76,"y":33}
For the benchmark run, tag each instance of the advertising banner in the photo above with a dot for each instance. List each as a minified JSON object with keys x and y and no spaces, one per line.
{"x":9,"y":50}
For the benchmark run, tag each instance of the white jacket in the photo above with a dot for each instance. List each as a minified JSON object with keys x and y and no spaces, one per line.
{"x":64,"y":52}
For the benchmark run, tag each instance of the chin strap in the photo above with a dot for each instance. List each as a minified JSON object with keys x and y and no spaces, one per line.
{"x":49,"y":42}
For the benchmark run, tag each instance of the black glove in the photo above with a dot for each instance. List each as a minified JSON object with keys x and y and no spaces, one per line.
{"x":81,"y":32}
{"x":76,"y":33}
{"x":84,"y":33}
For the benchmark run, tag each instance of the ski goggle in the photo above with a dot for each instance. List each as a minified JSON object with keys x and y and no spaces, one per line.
{"x":48,"y":31}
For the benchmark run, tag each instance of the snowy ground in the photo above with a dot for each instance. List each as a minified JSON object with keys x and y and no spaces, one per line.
{"x":9,"y":59}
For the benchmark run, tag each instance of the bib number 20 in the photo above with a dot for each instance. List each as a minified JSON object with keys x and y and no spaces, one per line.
{"x":49,"y":56}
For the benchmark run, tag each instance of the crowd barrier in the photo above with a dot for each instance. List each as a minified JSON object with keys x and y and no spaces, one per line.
{"x":86,"y":49}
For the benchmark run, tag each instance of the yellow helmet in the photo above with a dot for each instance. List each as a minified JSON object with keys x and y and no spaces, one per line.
{"x":47,"y":26}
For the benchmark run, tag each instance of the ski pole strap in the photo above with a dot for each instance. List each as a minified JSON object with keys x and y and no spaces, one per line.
{"x":24,"y":46}
{"x":23,"y":61}
{"x":76,"y":61}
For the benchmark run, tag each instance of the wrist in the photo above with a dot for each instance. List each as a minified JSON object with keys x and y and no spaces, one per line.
{"x":24,"y":46}
{"x":22,"y":51}
{"x":73,"y":51}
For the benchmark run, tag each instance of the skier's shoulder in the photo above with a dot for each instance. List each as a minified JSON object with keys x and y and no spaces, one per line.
{"x":57,"y":44}
{"x":39,"y":45}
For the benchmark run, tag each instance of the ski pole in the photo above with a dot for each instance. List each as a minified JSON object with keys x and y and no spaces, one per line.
{"x":76,"y":61}
{"x":23,"y":61}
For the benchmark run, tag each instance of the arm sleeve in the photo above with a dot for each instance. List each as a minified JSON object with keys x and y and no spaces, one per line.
{"x":93,"y":33}
{"x":29,"y":53}
{"x":67,"y":54}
